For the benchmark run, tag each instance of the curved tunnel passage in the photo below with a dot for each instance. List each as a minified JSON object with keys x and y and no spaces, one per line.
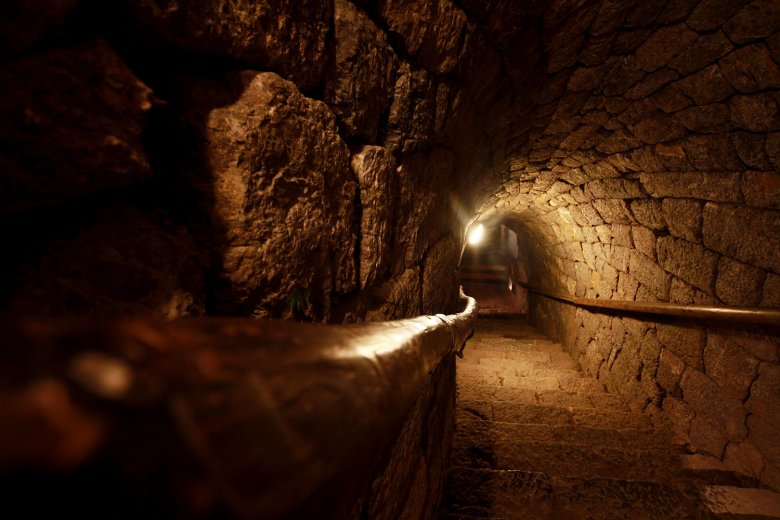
{"x":321,"y":161}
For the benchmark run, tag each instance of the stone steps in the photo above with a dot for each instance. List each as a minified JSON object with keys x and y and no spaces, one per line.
{"x":515,"y":494}
{"x":527,"y":395}
{"x":554,"y":415}
{"x":535,"y":439}
{"x":472,"y":428}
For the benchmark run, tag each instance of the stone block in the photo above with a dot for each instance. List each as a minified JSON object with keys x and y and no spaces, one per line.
{"x":773,"y":149}
{"x":750,"y":148}
{"x":706,"y":86}
{"x":411,"y":118}
{"x":359,"y":86}
{"x":618,"y":257}
{"x":670,"y":99}
{"x":685,"y":341}
{"x":730,"y":366}
{"x":765,"y":394}
{"x":659,"y":128}
{"x":679,"y":413}
{"x":750,"y":69}
{"x":617,"y":142}
{"x":290,"y":39}
{"x":424,"y":213}
{"x":649,"y":346}
{"x":670,"y":370}
{"x":610,"y":17}
{"x":711,"y":14}
{"x":764,"y":437}
{"x":614,"y":189}
{"x":771,"y":291}
{"x":681,"y":292}
{"x":770,"y":476}
{"x":408,"y":20}
{"x":374,"y":168}
{"x":399,"y":297}
{"x":70,"y":121}
{"x":652,"y":83}
{"x":281,"y":195}
{"x":757,"y":20}
{"x":705,"y":50}
{"x":591,"y":215}
{"x":738,"y":283}
{"x":726,"y":413}
{"x":705,"y":119}
{"x":648,"y":213}
{"x":756,"y":112}
{"x":706,"y":437}
{"x":638,"y":111}
{"x":587,"y":78}
{"x":676,"y":10}
{"x":714,"y":152}
{"x":614,"y":211}
{"x":761,"y":189}
{"x":650,"y":275}
{"x":440,"y":278}
{"x":627,"y":286}
{"x":690,"y":262}
{"x":442,"y":45}
{"x":617,"y":234}
{"x":683,"y":217}
{"x":747,"y":234}
{"x":663,"y":45}
{"x":716,"y":186}
{"x":644,"y":240}
{"x":744,"y":458}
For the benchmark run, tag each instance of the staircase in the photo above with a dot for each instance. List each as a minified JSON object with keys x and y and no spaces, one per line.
{"x":535,"y":439}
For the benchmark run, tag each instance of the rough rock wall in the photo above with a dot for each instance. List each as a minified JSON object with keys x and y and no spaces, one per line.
{"x":312,"y":160}
{"x":308,"y":160}
{"x":410,"y":485}
{"x":646,"y":168}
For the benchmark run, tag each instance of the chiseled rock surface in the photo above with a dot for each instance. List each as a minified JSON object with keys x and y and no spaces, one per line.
{"x":360,"y":85}
{"x":26,"y":23}
{"x":70,"y":122}
{"x":441,"y":49}
{"x":441,"y":278}
{"x":412,"y":112}
{"x":283,"y":198}
{"x":374,"y":168}
{"x":399,"y":297}
{"x":425,"y":212}
{"x":287,"y":37}
{"x":407,"y":19}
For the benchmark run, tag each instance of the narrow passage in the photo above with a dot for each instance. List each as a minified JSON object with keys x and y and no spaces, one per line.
{"x":535,"y":439}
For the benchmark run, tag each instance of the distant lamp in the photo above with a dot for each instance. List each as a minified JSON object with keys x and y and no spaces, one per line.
{"x":476,"y":235}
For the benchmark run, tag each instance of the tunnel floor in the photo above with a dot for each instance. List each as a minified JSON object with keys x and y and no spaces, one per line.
{"x":536,"y":439}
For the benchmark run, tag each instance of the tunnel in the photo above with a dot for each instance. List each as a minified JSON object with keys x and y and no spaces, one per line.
{"x":203,"y":201}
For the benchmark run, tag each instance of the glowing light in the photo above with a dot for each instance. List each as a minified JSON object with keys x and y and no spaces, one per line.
{"x":476,"y":235}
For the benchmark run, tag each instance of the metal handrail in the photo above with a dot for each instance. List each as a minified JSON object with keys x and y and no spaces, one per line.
{"x":756,"y":315}
{"x":289,"y":420}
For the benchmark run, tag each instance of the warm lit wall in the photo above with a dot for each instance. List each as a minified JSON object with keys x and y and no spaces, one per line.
{"x":646,"y":169}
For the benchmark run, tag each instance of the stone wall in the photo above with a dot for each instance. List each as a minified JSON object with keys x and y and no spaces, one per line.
{"x":304,"y":161}
{"x":319,"y":161}
{"x":645,"y":168}
{"x":411,"y":483}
